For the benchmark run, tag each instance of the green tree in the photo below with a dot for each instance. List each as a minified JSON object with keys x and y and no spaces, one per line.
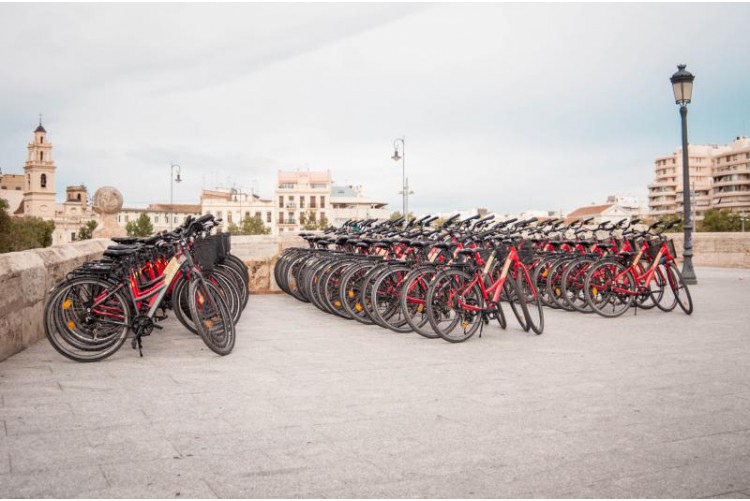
{"x":438,"y":222}
{"x":233,"y":229}
{"x":86,"y":232}
{"x":6,"y":225}
{"x":395,"y":215}
{"x":721,"y":220}
{"x":253,"y":226}
{"x":141,"y":227}
{"x":323,"y":223}
{"x":679,"y":228}
{"x":308,"y":222}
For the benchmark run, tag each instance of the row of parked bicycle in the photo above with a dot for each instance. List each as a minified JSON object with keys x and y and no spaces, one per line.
{"x":89,"y":315}
{"x":450,"y":281}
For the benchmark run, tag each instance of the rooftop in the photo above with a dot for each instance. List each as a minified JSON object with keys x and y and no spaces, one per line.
{"x":310,"y":405}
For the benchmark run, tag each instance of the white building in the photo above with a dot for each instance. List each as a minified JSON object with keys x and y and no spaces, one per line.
{"x":162,"y":216}
{"x":234,"y":205}
{"x":348,"y":202}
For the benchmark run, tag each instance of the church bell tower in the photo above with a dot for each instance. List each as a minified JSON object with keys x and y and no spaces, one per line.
{"x":39,"y":193}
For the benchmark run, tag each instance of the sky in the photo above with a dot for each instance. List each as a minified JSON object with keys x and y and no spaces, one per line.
{"x":508,"y":107}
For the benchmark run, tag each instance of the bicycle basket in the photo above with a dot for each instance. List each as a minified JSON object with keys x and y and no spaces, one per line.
{"x":221,"y":242}
{"x":672,"y":250}
{"x":653,"y":248}
{"x":205,"y":253}
{"x":526,"y":252}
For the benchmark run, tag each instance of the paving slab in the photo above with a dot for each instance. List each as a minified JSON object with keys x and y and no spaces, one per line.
{"x":308,"y":405}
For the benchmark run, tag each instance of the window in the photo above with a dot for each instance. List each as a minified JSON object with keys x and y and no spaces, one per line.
{"x":156,"y":219}
{"x":302,"y":202}
{"x":78,"y":197}
{"x":257,"y":215}
{"x":268,"y":217}
{"x":281,"y":202}
{"x":247,"y":214}
{"x":218,"y":214}
{"x":44,"y":180}
{"x":119,"y":218}
{"x":313,"y":205}
{"x":127,"y":218}
{"x":322,"y":202}
{"x":41,"y":156}
{"x":73,"y":237}
{"x":286,"y":186}
{"x":229,"y":217}
{"x":281,"y":218}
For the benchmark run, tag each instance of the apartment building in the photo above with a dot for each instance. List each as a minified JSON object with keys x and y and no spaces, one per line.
{"x":731,"y":177}
{"x":719,"y":179}
{"x":301,"y":194}
{"x":162,"y":216}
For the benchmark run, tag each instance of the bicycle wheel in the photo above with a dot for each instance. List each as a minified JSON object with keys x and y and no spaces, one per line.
{"x":454,"y":306}
{"x":78,"y":330}
{"x":572,"y":283}
{"x":387,"y":289}
{"x":332,"y":289}
{"x":530,"y":299}
{"x":679,"y":288}
{"x":555,"y":291}
{"x":412,"y":300}
{"x":610,"y":288}
{"x":351,"y":291}
{"x":212,"y":317}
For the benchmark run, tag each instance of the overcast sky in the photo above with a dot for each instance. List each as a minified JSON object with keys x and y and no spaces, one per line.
{"x":509,"y":107}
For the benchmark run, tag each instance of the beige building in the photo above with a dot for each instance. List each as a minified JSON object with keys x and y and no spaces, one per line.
{"x":301,"y":192}
{"x":731,"y":177}
{"x":234,"y":205}
{"x":719,"y":178}
{"x":38,"y":199}
{"x":162,"y":216}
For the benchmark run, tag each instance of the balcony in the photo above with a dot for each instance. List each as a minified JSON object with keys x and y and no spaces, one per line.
{"x":291,"y":205}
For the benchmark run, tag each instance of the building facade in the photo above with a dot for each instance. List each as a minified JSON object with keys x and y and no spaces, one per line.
{"x":719,"y":178}
{"x":39,"y":192}
{"x":349,"y":203}
{"x":301,"y":197}
{"x":234,"y":205}
{"x":731,"y":177}
{"x":162,"y":216}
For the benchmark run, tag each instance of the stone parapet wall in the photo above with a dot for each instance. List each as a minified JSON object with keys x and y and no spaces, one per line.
{"x":721,"y":250}
{"x":260,"y":253}
{"x":25,"y":278}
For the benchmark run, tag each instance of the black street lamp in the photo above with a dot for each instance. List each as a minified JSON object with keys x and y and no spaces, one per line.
{"x":682,"y":85}
{"x":172,"y":180}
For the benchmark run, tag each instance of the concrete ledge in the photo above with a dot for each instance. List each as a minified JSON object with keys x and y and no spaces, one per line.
{"x":26,"y":277}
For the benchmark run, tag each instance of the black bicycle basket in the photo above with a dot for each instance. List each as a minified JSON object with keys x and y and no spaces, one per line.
{"x":205,"y":253}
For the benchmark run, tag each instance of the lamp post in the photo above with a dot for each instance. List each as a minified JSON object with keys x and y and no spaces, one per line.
{"x":172,"y":180}
{"x":682,"y":85}
{"x":405,"y":182}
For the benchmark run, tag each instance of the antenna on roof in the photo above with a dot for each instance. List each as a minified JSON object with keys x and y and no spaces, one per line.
{"x":40,"y":120}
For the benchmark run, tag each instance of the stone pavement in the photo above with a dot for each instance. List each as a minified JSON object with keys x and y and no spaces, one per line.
{"x":308,"y":405}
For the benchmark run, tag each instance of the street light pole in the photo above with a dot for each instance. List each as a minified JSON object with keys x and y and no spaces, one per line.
{"x":682,"y":85}
{"x":404,"y":181}
{"x":172,"y":180}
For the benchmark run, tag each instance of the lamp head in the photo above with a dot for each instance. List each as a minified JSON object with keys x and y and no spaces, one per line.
{"x":682,"y":85}
{"x":396,"y":157}
{"x":178,"y":179}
